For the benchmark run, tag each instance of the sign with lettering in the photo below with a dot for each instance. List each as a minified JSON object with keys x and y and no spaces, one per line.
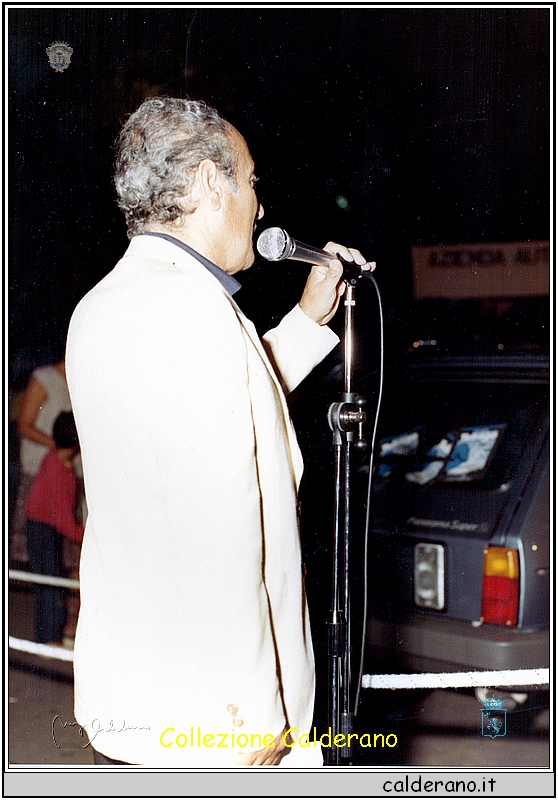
{"x":511,"y":269}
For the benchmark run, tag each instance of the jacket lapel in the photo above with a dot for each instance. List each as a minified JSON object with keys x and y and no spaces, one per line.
{"x":161,"y":249}
{"x":250,"y":329}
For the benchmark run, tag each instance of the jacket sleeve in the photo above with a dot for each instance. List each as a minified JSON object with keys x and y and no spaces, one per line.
{"x":296,"y":346}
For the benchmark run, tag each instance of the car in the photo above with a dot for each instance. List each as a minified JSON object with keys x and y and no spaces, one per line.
{"x":459,"y":540}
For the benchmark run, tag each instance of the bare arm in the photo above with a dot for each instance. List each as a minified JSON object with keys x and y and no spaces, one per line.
{"x":34,"y":397}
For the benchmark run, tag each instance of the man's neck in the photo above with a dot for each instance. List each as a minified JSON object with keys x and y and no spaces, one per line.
{"x":187,"y":235}
{"x":226,"y":280}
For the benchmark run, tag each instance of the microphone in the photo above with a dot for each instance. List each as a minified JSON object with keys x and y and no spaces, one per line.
{"x":275,"y":244}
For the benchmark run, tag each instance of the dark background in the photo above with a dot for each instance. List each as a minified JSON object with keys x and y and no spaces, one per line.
{"x":433,"y":124}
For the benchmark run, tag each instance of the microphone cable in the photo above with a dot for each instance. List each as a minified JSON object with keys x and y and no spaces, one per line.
{"x":369,"y":497}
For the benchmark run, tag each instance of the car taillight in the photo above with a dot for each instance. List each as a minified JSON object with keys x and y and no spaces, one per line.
{"x":500,"y":586}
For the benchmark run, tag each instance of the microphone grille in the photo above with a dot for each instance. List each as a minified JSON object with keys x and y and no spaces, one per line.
{"x":271,"y":244}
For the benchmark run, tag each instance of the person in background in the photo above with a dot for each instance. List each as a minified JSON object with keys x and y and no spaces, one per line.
{"x":51,"y":516}
{"x":46,"y":396}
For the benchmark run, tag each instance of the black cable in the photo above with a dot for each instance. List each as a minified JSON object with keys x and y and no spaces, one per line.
{"x":369,"y":497}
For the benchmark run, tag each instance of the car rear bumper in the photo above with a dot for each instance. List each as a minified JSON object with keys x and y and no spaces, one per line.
{"x":424,"y":642}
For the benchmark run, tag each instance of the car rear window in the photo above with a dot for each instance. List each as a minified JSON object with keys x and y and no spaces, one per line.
{"x":458,"y":430}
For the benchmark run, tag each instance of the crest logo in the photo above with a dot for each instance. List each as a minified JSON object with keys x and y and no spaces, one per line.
{"x":59,"y":55}
{"x":493,"y":717}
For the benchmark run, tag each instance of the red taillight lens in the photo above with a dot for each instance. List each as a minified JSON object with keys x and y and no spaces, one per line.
{"x":500,"y":586}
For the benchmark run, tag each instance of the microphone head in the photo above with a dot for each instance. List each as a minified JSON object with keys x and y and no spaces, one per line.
{"x":272,"y":244}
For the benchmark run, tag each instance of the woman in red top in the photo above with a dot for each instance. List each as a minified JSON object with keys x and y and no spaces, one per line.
{"x":50,"y":516}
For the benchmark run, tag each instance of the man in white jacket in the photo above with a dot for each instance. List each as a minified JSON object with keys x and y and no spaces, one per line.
{"x":193,"y":645}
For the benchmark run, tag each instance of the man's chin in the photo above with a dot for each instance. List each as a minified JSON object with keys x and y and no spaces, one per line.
{"x":244,"y":265}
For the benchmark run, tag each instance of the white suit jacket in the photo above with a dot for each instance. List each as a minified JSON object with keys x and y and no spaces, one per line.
{"x":193,"y":616}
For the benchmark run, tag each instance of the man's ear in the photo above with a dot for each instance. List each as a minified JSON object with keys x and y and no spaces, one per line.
{"x":208,"y":185}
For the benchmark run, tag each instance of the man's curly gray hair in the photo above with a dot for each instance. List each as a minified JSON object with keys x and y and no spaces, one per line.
{"x":157,"y":153}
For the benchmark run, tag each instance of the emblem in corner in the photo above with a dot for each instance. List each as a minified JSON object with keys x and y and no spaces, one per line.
{"x":59,"y":55}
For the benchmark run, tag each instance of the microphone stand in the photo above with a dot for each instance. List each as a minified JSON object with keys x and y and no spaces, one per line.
{"x":344,"y":417}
